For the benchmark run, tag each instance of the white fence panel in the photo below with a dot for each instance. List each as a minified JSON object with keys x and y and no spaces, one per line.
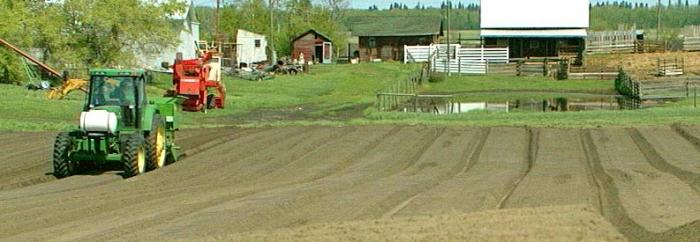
{"x":490,"y":55}
{"x":417,"y":53}
{"x":460,"y":66}
{"x":424,"y":53}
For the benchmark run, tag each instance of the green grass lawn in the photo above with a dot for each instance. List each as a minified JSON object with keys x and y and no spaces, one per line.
{"x":318,"y":95}
{"x":25,"y":110}
{"x":325,"y":92}
{"x":331,"y":92}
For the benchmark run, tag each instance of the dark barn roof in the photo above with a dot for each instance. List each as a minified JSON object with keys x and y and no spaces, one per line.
{"x":395,"y":26}
{"x":313,"y":31}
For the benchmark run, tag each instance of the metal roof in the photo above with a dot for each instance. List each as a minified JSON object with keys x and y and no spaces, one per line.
{"x":534,"y":33}
{"x":530,"y":14}
{"x":395,"y":26}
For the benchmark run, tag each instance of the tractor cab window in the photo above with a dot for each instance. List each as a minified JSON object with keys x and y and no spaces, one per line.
{"x":113,"y":91}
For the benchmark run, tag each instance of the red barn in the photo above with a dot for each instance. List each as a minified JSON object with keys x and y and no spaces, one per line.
{"x":315,"y":46}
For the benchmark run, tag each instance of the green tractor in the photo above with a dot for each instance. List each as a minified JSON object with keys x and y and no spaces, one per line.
{"x":119,"y":125}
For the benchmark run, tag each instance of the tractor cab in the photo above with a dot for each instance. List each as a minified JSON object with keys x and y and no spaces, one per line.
{"x":121,"y":92}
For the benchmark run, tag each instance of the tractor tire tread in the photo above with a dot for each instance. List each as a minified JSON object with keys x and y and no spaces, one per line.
{"x":151,"y":151}
{"x":130,"y":155}
{"x":61,"y":163}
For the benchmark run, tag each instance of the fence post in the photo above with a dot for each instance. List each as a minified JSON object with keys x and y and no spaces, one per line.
{"x":405,"y":54}
{"x":687,"y":89}
{"x":695,"y":99}
{"x":415,"y":103}
{"x":459,"y":66}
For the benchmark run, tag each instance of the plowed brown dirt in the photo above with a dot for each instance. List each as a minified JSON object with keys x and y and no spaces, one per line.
{"x":369,"y":183}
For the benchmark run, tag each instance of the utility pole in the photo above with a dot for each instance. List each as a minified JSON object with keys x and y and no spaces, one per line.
{"x":658,"y":21}
{"x":216,"y":20}
{"x":271,"y":41}
{"x":449,"y":63}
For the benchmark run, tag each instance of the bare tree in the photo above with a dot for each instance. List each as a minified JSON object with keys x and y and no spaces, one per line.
{"x":337,"y":7}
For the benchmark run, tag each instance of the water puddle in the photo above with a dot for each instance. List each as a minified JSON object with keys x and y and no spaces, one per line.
{"x":454,"y":104}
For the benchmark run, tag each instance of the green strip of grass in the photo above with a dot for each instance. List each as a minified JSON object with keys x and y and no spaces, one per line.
{"x":587,"y":119}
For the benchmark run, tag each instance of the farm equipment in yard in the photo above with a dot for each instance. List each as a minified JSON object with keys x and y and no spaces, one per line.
{"x":193,"y":79}
{"x":67,"y":85}
{"x":119,"y":124}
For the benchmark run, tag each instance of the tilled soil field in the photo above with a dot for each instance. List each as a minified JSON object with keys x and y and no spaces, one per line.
{"x":370,"y":183}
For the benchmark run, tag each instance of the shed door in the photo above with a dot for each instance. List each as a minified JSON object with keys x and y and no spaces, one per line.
{"x":327,"y":52}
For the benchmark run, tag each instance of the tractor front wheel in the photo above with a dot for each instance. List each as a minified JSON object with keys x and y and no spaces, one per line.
{"x":156,"y":144}
{"x":62,"y":165}
{"x":134,"y":156}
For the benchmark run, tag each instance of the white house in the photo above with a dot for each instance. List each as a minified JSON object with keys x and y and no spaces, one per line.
{"x":535,"y":28}
{"x":251,"y":47}
{"x":188,"y":36}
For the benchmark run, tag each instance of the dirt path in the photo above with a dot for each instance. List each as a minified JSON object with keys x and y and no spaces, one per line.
{"x":391,"y":180}
{"x":567,"y":223}
{"x":558,"y":174}
{"x":656,"y":200}
{"x":489,"y":174}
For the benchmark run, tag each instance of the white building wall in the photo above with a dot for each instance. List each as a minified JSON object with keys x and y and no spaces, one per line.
{"x":186,"y":46}
{"x":188,"y":37}
{"x":247,"y":52}
{"x":513,"y":14}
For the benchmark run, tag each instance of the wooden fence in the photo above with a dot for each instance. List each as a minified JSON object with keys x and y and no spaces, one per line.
{"x":626,"y":86}
{"x":530,"y":67}
{"x":606,"y":42}
{"x":670,"y":67}
{"x":402,"y":91}
{"x":598,"y":73}
{"x":691,"y":43}
{"x":691,"y":40}
{"x":670,"y":88}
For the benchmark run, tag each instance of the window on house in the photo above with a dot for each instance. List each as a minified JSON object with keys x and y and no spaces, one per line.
{"x":257,"y":43}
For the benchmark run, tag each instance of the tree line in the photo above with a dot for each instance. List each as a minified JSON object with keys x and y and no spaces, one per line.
{"x":603,"y":15}
{"x":85,"y":33}
{"x":117,"y":32}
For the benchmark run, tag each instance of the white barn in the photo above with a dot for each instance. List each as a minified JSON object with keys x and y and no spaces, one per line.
{"x":188,"y":37}
{"x":535,"y":28}
{"x":251,"y":47}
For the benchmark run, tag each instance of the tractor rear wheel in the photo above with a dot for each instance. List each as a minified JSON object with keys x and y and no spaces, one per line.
{"x":62,"y":165}
{"x":134,"y":156}
{"x":156,"y":144}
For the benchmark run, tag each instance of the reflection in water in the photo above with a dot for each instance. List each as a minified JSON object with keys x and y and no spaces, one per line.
{"x":559,"y":104}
